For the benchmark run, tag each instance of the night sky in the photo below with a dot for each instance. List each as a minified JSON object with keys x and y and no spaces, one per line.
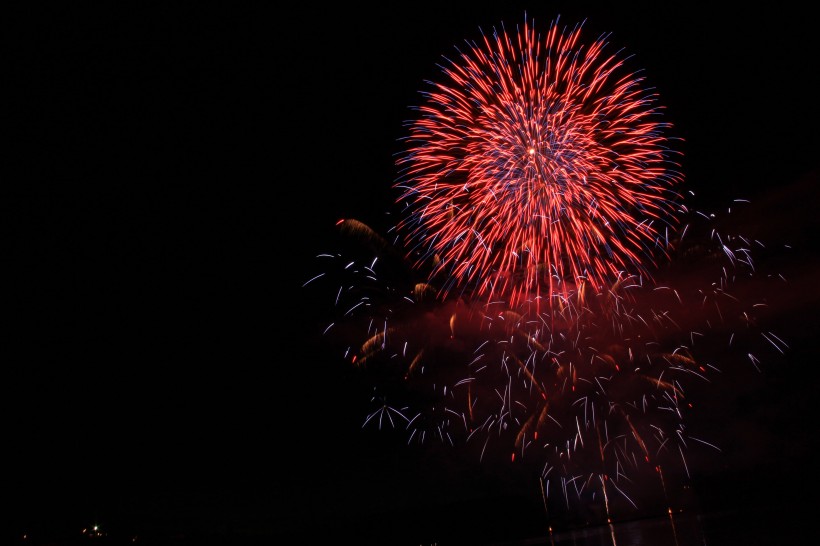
{"x":169,"y":177}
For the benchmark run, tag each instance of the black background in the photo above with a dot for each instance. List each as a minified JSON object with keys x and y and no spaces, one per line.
{"x":169,"y":175}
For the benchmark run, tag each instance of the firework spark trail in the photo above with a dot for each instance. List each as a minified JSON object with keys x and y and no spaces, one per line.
{"x":526,"y":153}
{"x":525,"y":383}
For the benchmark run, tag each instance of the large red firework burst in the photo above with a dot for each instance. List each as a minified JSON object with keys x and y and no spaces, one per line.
{"x":540,"y":163}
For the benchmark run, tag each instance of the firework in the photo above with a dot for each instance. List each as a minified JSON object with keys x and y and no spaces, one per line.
{"x":539,"y":162}
{"x":539,"y":174}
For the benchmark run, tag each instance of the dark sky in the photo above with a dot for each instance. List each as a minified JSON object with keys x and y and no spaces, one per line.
{"x":171,"y":174}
